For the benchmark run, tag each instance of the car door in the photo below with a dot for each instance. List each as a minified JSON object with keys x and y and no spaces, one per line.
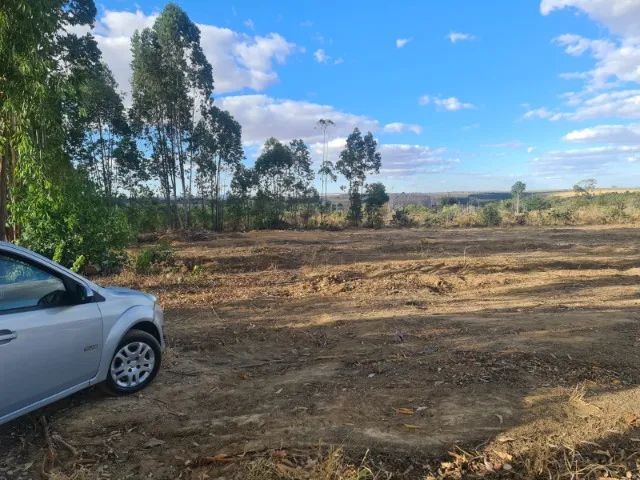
{"x":50,"y":338}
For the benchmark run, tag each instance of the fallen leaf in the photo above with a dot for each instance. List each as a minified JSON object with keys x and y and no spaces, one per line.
{"x":405,"y":411}
{"x":408,"y":425}
{"x":154,"y":442}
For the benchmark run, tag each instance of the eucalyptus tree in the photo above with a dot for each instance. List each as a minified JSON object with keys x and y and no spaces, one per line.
{"x":272,"y":167}
{"x":171,"y":79}
{"x":517,"y":190}
{"x":283,"y":175}
{"x":326,"y":166}
{"x":217,"y":145}
{"x":358,"y":159}
{"x":107,"y":151}
{"x":243,"y":187}
{"x":301,"y":170}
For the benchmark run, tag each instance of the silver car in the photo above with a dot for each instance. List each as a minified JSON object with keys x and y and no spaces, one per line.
{"x":60,"y":333}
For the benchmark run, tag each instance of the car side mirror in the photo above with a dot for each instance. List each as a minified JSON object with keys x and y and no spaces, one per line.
{"x":80,"y":293}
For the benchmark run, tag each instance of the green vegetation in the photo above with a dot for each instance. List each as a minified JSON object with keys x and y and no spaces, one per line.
{"x":148,"y":258}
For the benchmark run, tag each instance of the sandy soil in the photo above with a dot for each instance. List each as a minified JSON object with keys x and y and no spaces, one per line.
{"x":399,"y":343}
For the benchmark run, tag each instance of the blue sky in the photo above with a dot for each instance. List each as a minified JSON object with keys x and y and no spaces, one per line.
{"x":461,"y":95}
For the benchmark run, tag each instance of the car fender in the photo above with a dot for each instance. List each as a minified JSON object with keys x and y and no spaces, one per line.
{"x":124,"y":323}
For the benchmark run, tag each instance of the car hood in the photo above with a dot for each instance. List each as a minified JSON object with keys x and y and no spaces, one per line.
{"x":127,"y":293}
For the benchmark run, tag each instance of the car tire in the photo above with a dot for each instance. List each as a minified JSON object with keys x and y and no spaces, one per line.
{"x":134,"y":364}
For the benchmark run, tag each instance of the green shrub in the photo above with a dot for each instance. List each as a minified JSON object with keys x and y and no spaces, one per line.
{"x":490,"y":215}
{"x":402,"y":218}
{"x":69,"y":220}
{"x":153,"y":256}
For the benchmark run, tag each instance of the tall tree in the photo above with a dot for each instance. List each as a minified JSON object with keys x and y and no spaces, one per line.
{"x":107,"y":151}
{"x":217,"y":143}
{"x":171,"y":78}
{"x":358,"y":159}
{"x":284,"y":176}
{"x":301,"y":170}
{"x":517,"y":190}
{"x":326,"y":166}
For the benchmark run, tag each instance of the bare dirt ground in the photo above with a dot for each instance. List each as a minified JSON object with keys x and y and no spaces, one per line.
{"x":519,"y":346}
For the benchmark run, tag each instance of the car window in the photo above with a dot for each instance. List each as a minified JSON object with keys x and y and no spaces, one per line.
{"x":23,"y":285}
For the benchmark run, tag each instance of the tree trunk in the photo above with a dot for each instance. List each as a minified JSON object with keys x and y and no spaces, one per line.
{"x":4,"y":190}
{"x":217,"y":193}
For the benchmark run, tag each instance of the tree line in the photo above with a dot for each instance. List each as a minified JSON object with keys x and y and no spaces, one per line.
{"x":80,"y":172}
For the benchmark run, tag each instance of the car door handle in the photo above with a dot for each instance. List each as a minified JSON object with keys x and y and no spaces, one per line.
{"x":6,"y":336}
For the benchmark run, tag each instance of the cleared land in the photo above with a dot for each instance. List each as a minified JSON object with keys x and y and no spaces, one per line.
{"x":521,"y":344}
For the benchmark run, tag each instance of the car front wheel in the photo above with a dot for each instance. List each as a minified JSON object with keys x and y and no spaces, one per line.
{"x":135,"y":363}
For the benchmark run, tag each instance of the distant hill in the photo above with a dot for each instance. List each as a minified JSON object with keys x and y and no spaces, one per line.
{"x":432,"y":199}
{"x":464,"y":198}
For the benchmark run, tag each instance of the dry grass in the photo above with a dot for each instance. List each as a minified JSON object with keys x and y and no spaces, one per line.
{"x":331,"y":466}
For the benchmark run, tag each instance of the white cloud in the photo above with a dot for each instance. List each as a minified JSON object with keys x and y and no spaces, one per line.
{"x":401,"y":42}
{"x":620,"y":16}
{"x":543,"y":113}
{"x":400,"y":160}
{"x":249,"y":24}
{"x":451,"y":104}
{"x":262,"y":116}
{"x":455,"y":37}
{"x":239,"y":61}
{"x":586,"y":106}
{"x":398,"y":127}
{"x":321,"y":56}
{"x":609,"y":134}
{"x":242,"y":61}
{"x":615,"y":61}
{"x":584,"y":162}
{"x":531,"y":149}
{"x":607,"y":92}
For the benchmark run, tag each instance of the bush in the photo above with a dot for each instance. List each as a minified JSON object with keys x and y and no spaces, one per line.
{"x":150,"y":257}
{"x":72,"y":223}
{"x":490,"y":215}
{"x":402,"y":218}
